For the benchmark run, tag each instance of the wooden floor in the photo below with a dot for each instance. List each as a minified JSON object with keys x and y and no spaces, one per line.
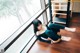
{"x":72,"y":46}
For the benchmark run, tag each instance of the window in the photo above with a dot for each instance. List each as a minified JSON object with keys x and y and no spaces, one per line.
{"x":14,"y":13}
{"x":19,"y":44}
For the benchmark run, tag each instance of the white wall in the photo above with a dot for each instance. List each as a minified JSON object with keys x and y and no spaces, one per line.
{"x":76,"y":7}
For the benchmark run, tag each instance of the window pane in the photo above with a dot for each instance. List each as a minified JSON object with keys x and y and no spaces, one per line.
{"x":19,"y":44}
{"x":46,"y":1}
{"x":14,"y":13}
{"x":29,"y":9}
{"x":41,"y":19}
{"x":48,"y":14}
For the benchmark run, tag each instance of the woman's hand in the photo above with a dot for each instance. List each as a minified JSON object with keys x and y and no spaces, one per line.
{"x":58,"y":33}
{"x":56,"y":41}
{"x":52,"y":41}
{"x":49,"y":38}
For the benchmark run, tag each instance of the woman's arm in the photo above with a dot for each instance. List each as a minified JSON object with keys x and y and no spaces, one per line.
{"x":43,"y":38}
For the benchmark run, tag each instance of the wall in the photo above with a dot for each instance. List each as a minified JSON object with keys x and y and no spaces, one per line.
{"x":76,"y":7}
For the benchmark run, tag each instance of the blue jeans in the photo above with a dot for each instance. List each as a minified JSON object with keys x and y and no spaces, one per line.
{"x":52,"y":31}
{"x":55,"y":27}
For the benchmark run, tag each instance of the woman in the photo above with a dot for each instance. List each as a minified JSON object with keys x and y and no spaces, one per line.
{"x":49,"y":33}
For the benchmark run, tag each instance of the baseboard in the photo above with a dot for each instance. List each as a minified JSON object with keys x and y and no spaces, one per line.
{"x":75,"y":12}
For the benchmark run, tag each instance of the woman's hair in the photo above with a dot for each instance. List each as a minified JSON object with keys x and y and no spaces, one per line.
{"x":36,"y":23}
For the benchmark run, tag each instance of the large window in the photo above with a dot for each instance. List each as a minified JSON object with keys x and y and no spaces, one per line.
{"x":14,"y":13}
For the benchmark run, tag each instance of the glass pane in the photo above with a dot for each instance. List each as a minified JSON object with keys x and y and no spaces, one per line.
{"x":14,"y":13}
{"x":41,"y":19}
{"x":29,"y":9}
{"x":19,"y":44}
{"x":46,"y":1}
{"x":48,"y":14}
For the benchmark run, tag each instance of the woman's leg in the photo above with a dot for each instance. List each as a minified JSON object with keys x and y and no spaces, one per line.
{"x":51,"y":34}
{"x":57,"y":27}
{"x":70,"y":29}
{"x":65,"y":38}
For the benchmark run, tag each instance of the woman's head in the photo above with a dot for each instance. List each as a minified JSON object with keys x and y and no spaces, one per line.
{"x":37,"y":25}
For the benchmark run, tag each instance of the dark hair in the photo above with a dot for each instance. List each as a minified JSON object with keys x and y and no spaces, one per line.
{"x":36,"y":23}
